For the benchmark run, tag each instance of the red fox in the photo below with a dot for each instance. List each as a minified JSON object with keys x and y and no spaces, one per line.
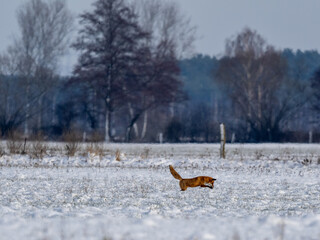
{"x":201,"y":181}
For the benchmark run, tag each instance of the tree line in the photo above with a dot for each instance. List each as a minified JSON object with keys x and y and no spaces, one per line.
{"x":262,"y":94}
{"x":133,"y":81}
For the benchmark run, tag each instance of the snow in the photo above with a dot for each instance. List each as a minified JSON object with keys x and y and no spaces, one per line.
{"x":263,"y":191}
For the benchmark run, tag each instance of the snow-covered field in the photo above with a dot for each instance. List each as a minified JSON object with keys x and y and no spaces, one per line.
{"x":264,"y":191}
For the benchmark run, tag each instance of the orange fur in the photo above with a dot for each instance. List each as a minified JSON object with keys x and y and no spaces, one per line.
{"x":201,"y":181}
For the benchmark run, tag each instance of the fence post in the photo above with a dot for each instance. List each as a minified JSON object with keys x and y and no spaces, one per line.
{"x":222,"y":141}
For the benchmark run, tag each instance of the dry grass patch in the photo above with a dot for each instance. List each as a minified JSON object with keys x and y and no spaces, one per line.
{"x":118,"y":153}
{"x":145,"y":153}
{"x":95,"y":149}
{"x":38,"y":150}
{"x":72,"y":140}
{"x":2,"y":151}
{"x":16,"y":145}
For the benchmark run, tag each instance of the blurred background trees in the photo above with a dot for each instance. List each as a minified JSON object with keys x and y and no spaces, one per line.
{"x":315,"y":99}
{"x":32,"y":59}
{"x":256,"y":77}
{"x":137,"y":79}
{"x":129,"y":63}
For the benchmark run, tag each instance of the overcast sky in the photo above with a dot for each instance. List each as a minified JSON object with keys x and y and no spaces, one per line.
{"x":283,"y":23}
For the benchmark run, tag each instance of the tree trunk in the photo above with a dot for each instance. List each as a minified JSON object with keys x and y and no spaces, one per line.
{"x":216,"y":109}
{"x":53,"y":109}
{"x":107,"y":127}
{"x":132,"y":123}
{"x":171,"y":110}
{"x":40,"y":113}
{"x":145,"y":124}
{"x":27,"y":113}
{"x":128,"y":133}
{"x":135,"y":126}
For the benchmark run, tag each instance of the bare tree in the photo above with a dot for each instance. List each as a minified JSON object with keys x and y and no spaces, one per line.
{"x":44,"y":36}
{"x":158,"y":86}
{"x":165,"y":21}
{"x":255,"y":74}
{"x":171,"y":37}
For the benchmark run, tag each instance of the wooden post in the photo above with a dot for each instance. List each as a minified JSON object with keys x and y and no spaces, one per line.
{"x":222,"y":141}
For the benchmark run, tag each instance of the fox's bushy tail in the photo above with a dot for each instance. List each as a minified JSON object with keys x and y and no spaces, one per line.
{"x":174,"y":173}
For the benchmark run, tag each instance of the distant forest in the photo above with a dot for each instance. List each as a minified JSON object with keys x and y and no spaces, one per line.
{"x":207,"y":103}
{"x":133,"y":82}
{"x":210,"y":102}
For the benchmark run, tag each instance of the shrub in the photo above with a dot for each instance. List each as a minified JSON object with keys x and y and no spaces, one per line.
{"x":38,"y":150}
{"x":15,"y":145}
{"x":72,"y":140}
{"x":118,"y":155}
{"x":2,"y":151}
{"x":96,"y":149}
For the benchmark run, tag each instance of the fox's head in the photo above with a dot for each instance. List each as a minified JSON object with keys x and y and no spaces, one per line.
{"x":210,"y":182}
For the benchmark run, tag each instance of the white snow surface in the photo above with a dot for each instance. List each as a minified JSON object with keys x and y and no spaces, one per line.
{"x":263,"y":191}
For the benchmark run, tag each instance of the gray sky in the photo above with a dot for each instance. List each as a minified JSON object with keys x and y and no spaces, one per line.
{"x":283,"y":23}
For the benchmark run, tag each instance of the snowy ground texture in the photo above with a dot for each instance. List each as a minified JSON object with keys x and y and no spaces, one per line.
{"x":264,"y":191}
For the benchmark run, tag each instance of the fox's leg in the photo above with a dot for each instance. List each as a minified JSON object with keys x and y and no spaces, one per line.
{"x":209,"y":186}
{"x":182,"y":186}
